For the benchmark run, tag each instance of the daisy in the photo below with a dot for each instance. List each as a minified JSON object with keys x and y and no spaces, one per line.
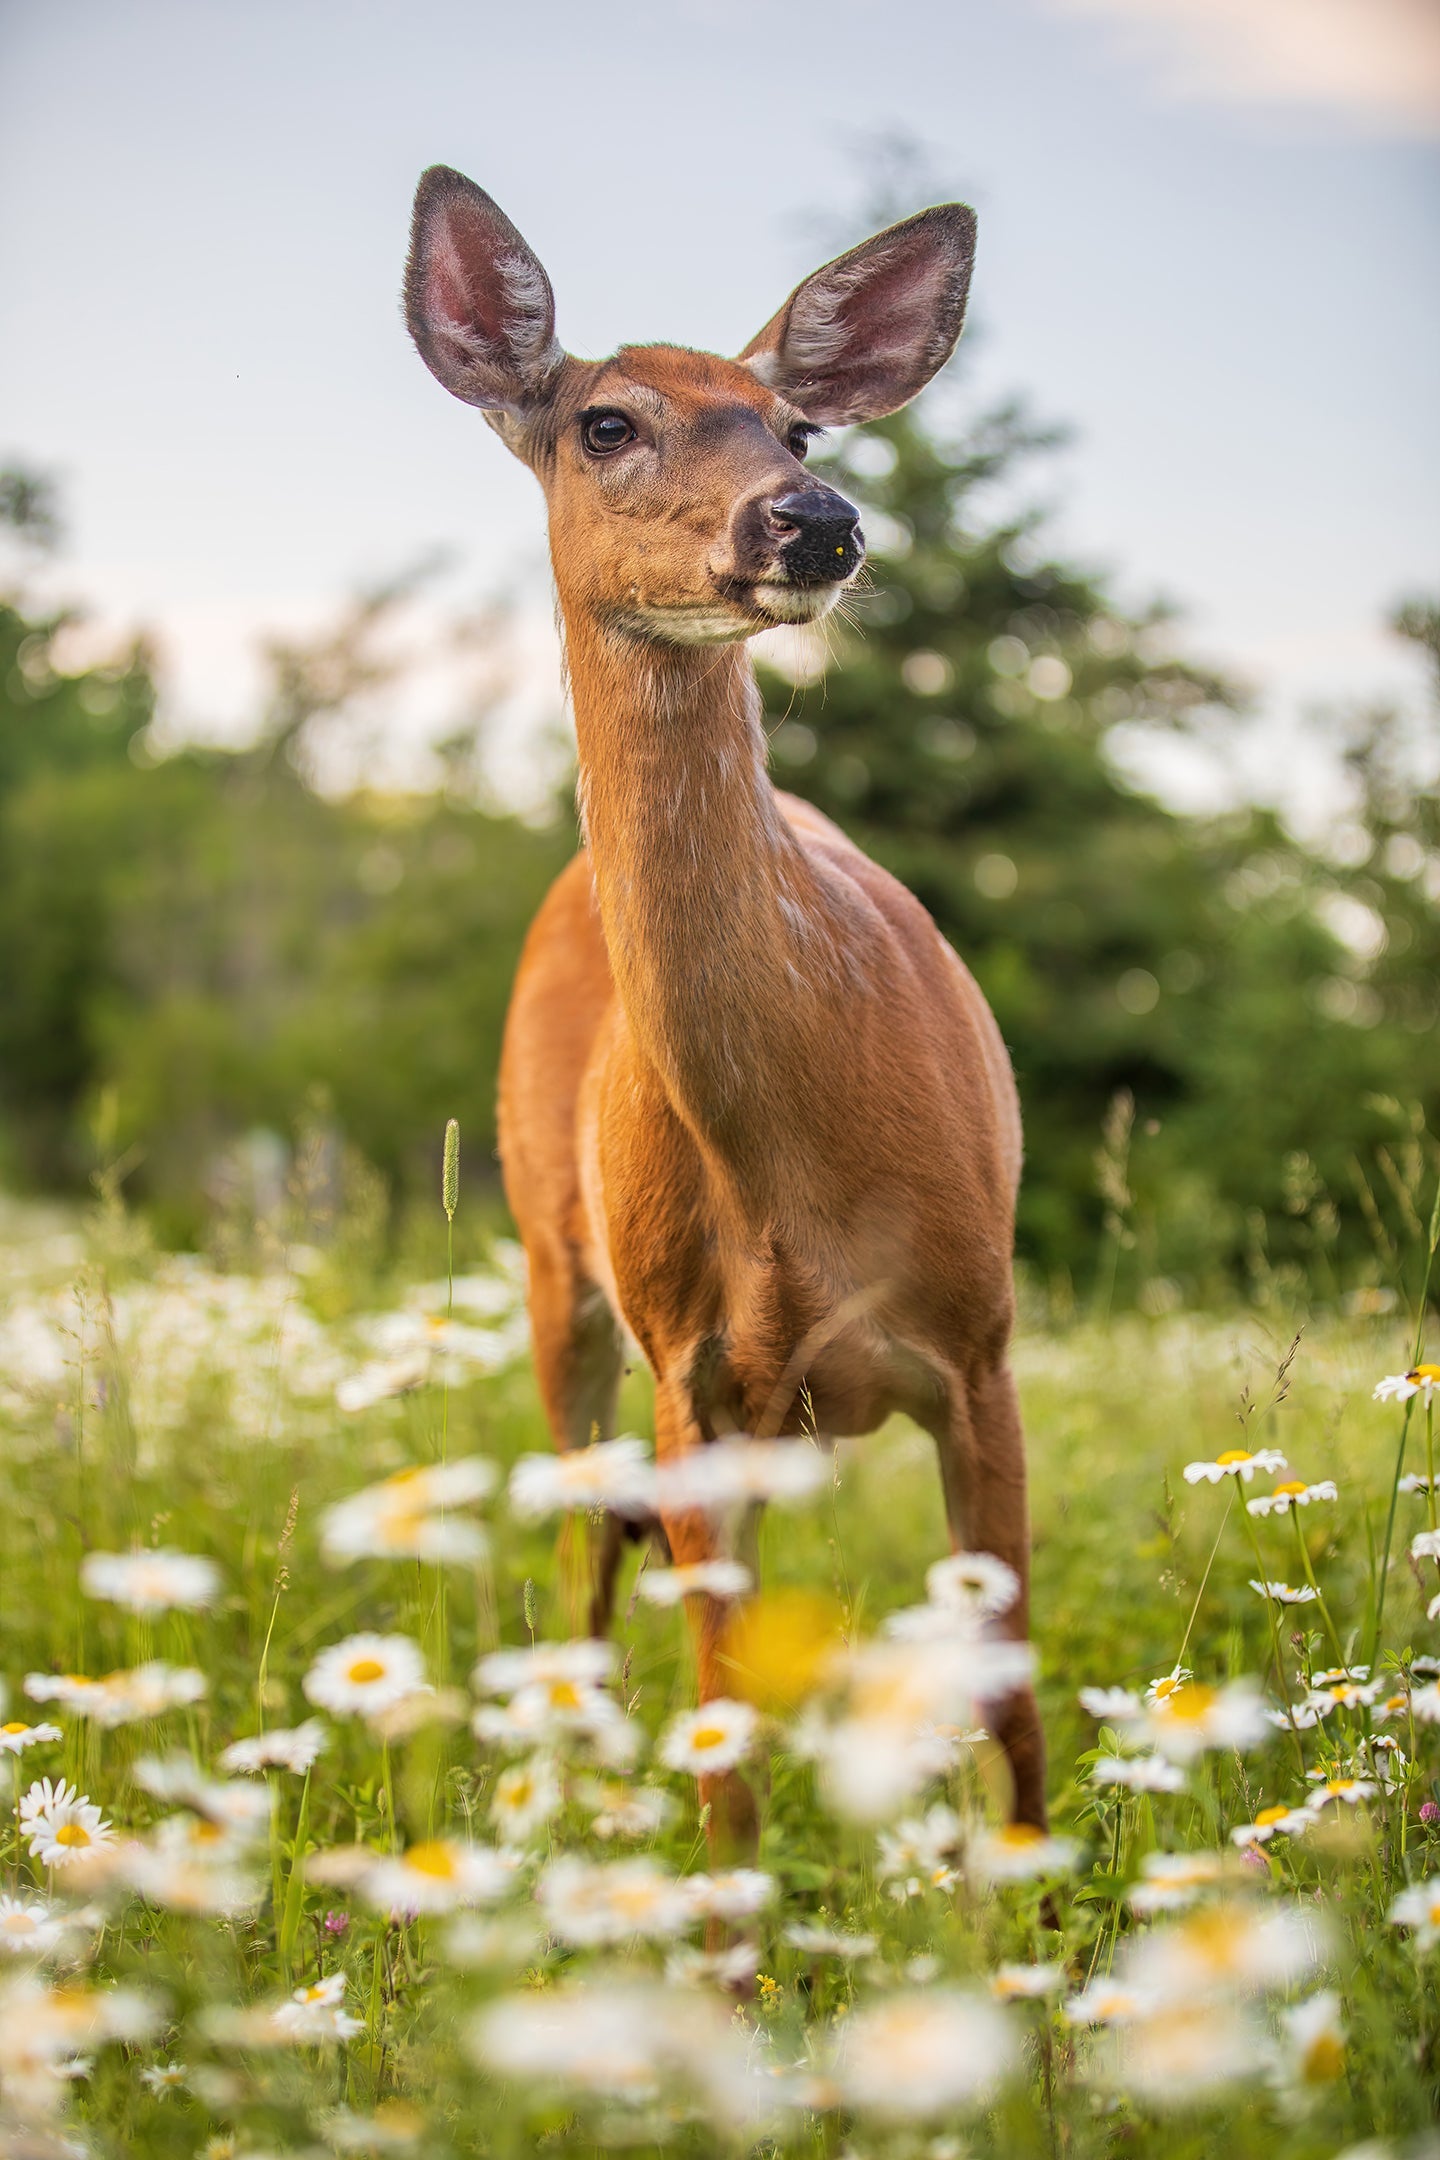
{"x":1236,"y":1944}
{"x":365,"y":1673}
{"x":151,"y":1582}
{"x":1425,"y":1545}
{"x":1292,"y":1495}
{"x":165,"y":2078}
{"x":1105,"y":2002}
{"x":735,"y":1472}
{"x":1113,"y":1705}
{"x":17,"y":1736}
{"x":552,"y":1712}
{"x":619,"y":2038}
{"x":1026,"y":1983}
{"x":1196,"y":1717}
{"x":29,"y":1927}
{"x":1342,"y":1695}
{"x":613,"y":1474}
{"x":1419,"y":1908}
{"x":717,"y":1736}
{"x":1282,"y":1593}
{"x":623,"y":1811}
{"x":1337,"y":1673}
{"x":1425,"y":1703}
{"x":1138,"y":1773}
{"x":61,"y":1824}
{"x":829,"y":1942}
{"x":1175,"y":2055}
{"x":1314,"y":2036}
{"x":734,"y":1895}
{"x":121,"y":1698}
{"x":1350,"y":1790}
{"x":925,"y":2054}
{"x":1174,"y":1880}
{"x":976,"y":1582}
{"x":1019,"y":1852}
{"x":437,"y":1876}
{"x":524,"y":1799}
{"x":707,"y":1578}
{"x":398,"y":1518}
{"x":1236,"y":1463}
{"x":583,"y":1662}
{"x":1421,"y":1380}
{"x":1168,"y":1684}
{"x":921,"y":1848}
{"x":293,"y":1749}
{"x":313,"y":2014}
{"x":243,"y":1810}
{"x":1413,"y":1483}
{"x":188,"y":1867}
{"x":586,"y":1902}
{"x":723,"y":1969}
{"x":1272,"y":1822}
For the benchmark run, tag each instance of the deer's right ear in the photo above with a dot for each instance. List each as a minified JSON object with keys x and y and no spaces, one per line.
{"x":477,"y":300}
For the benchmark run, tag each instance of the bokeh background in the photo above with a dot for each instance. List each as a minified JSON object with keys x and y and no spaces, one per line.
{"x":1142,"y":701}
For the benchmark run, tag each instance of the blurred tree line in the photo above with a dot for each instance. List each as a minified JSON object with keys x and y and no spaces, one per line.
{"x":1224,"y":1040}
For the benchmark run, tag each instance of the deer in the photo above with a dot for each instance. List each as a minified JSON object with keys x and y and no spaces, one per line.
{"x":754,"y":1112}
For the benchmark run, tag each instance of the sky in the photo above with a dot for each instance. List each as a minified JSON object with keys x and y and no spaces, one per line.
{"x":1209,"y":243}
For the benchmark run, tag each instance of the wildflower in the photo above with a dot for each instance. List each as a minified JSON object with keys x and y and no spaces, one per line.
{"x":121,"y":1698}
{"x":717,"y":1736}
{"x":588,"y":1902}
{"x":394,"y":2127}
{"x":1272,"y":1822}
{"x":336,"y":1923}
{"x":1138,"y":1773}
{"x":1413,"y":1483}
{"x":1419,"y":1908}
{"x":624,"y":2039}
{"x":1174,"y":1880}
{"x":735,"y":1472}
{"x":382,"y":1378}
{"x":1341,"y":1695}
{"x":926,"y":2054}
{"x":365,"y":1673}
{"x":150,"y":1582}
{"x":732,"y":1968}
{"x":819,"y":1941}
{"x":554,"y":1711}
{"x":1113,"y":1706}
{"x":16,"y":1736}
{"x":1195,"y":1717}
{"x":293,"y":1749}
{"x":583,"y":1663}
{"x":165,"y":2078}
{"x":1337,"y":1673}
{"x":1018,"y":1852}
{"x":1292,"y":1495}
{"x":1281,"y":1593}
{"x":1425,"y":1545}
{"x":525,"y":1798}
{"x":623,"y":1811}
{"x":29,"y":1927}
{"x":613,"y":1474}
{"x":46,"y":2034}
{"x":1234,"y":1944}
{"x":188,"y":1865}
{"x":919,"y":1850}
{"x":1421,"y":1380}
{"x":703,"y":1578}
{"x":398,"y":1518}
{"x":734,"y":1895}
{"x":313,"y":2014}
{"x":1105,"y":2002}
{"x":437,"y":1876}
{"x":1314,"y":2035}
{"x":240,"y":1809}
{"x":1236,"y":1463}
{"x":1169,"y":1683}
{"x":1026,"y":1983}
{"x":1175,"y":2055}
{"x":1429,"y":1813}
{"x":61,"y":1824}
{"x":1425,"y":1703}
{"x":1350,"y":1790}
{"x":975,"y":1582}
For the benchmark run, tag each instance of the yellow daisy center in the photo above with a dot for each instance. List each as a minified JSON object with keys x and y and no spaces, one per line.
{"x":19,"y":1923}
{"x":1233,"y":1455}
{"x":1191,"y":1701}
{"x":708,"y":1736}
{"x":1324,"y":2058}
{"x":564,"y":1695}
{"x":1293,"y":1485}
{"x":364,"y":1670}
{"x":15,"y":1725}
{"x":1423,"y":1372}
{"x":72,"y":1833}
{"x":432,"y":1858}
{"x":1267,"y":1815}
{"x":1021,"y":1834}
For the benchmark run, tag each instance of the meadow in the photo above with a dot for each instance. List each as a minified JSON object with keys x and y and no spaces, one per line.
{"x":362,"y":1848}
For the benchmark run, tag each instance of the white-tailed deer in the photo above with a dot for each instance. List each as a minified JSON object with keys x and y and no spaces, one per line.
{"x":753,"y":1108}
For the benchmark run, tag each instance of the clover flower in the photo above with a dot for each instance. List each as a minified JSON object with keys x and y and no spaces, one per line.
{"x":61,"y":1824}
{"x":1236,"y":1463}
{"x":151,"y":1582}
{"x":1292,"y":1495}
{"x":715,"y":1737}
{"x":364,"y":1674}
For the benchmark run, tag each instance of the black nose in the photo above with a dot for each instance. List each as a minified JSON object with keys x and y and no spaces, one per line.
{"x":823,"y":543}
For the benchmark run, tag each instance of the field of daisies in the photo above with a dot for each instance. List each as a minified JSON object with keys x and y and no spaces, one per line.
{"x":328,"y":1830}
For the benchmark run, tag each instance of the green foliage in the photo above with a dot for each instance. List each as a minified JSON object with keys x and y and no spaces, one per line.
{"x":965,"y":734}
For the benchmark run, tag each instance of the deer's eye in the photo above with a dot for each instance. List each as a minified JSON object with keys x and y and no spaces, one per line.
{"x":800,"y":443}
{"x":602,"y":432}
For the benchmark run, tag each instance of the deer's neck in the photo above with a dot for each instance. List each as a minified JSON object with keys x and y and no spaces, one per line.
{"x":706,"y":897}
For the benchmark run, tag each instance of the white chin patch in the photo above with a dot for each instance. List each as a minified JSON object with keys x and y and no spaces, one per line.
{"x":796,"y":603}
{"x":707,"y":623}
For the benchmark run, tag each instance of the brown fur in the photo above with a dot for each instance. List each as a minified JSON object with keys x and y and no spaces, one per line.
{"x":753,"y":1108}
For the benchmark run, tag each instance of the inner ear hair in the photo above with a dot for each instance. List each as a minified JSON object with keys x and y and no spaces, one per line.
{"x":477,"y":300}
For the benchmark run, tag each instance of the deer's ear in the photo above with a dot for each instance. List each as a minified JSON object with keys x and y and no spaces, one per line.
{"x":477,"y":300}
{"x":860,"y":337}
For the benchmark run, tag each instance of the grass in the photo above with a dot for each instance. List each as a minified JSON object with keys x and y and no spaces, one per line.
{"x":181,"y":1422}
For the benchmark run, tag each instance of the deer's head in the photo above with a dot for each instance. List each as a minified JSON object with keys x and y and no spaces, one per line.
{"x":680,"y":509}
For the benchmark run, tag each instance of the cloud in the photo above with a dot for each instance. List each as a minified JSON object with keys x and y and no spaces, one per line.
{"x":1374,"y":59}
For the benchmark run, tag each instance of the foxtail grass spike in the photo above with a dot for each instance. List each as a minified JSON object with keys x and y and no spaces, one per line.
{"x":450,"y":1177}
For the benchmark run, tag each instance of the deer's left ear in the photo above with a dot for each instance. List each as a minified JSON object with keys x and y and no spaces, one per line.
{"x":477,"y":300}
{"x":860,"y":337}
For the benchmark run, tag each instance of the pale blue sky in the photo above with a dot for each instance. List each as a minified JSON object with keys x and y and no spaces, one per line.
{"x":1232,"y":295}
